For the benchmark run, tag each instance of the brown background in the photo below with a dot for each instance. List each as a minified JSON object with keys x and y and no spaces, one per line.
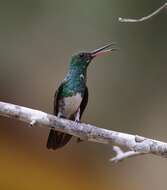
{"x":128,"y":91}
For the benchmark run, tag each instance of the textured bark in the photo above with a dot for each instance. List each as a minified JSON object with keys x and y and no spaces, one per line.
{"x":136,"y":144}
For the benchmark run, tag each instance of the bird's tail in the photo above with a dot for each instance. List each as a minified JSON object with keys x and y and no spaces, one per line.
{"x":57,"y":139}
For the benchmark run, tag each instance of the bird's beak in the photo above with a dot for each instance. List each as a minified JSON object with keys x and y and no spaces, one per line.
{"x":103,"y":50}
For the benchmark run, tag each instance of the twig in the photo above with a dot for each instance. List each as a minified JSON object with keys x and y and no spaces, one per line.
{"x":121,"y":155}
{"x":84,"y":131}
{"x":156,"y":12}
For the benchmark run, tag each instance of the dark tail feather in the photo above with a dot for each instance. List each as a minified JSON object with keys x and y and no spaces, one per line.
{"x":57,"y":139}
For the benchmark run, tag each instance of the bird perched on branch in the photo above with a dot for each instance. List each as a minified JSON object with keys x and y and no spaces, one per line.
{"x":71,"y":97}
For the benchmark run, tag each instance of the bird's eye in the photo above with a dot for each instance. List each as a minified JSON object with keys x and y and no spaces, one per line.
{"x":81,"y":55}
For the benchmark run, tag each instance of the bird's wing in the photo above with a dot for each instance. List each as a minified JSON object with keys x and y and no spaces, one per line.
{"x":57,"y":98}
{"x":84,"y":102}
{"x":82,"y":107}
{"x":57,"y":139}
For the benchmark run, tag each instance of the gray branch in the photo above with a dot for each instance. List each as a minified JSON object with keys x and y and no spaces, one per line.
{"x":137,"y":144}
{"x":156,"y":12}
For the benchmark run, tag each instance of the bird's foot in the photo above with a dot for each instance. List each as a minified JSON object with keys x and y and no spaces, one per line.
{"x":79,"y":140}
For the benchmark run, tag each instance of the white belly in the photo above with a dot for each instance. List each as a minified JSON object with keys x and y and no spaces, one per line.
{"x":69,"y":105}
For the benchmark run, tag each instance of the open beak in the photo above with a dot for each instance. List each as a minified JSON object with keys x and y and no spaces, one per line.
{"x":103,"y":50}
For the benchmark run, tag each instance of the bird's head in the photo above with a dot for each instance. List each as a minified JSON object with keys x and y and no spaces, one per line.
{"x":82,"y":59}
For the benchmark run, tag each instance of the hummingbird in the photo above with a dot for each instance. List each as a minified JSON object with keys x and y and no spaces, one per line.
{"x":71,"y":97}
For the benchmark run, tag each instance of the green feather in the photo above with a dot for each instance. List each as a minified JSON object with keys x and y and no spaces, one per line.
{"x":75,"y":81}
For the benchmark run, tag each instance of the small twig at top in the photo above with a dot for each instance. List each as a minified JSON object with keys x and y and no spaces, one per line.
{"x":156,"y":12}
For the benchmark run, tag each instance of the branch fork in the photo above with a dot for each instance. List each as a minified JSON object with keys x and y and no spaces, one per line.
{"x":121,"y":155}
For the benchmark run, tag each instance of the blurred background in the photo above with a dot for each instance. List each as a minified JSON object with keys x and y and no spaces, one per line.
{"x":127,"y":90}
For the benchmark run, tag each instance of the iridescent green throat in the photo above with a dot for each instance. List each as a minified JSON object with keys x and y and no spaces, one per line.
{"x":75,"y":81}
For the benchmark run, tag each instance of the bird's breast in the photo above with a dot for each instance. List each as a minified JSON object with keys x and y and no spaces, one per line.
{"x":69,"y":105}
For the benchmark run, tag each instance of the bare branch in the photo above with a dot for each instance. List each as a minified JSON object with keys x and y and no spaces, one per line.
{"x":121,"y":155}
{"x":156,"y":12}
{"x":84,"y":131}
